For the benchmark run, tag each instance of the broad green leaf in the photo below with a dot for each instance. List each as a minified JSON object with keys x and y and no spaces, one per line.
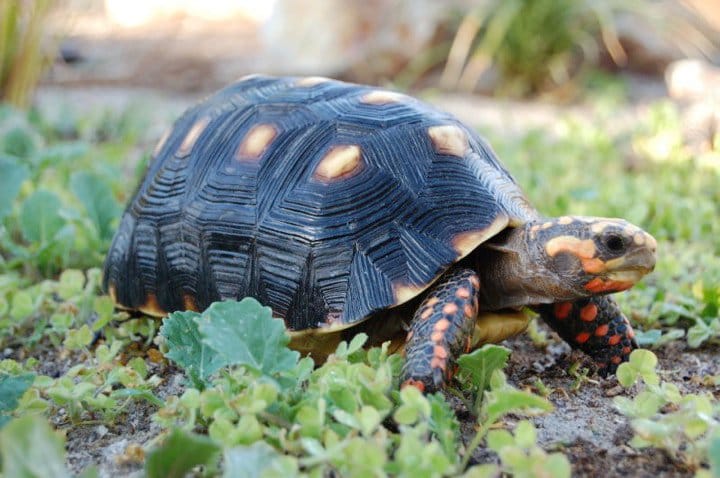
{"x":20,"y":141}
{"x":499,"y":439}
{"x":31,"y":449}
{"x":244,"y":333}
{"x":479,"y":365}
{"x":514,"y":401}
{"x":71,"y":283}
{"x":96,"y":196}
{"x":257,"y":460}
{"x":185,"y":347}
{"x":179,"y":454}
{"x":12,"y":387}
{"x":40,"y":219}
{"x":12,"y":176}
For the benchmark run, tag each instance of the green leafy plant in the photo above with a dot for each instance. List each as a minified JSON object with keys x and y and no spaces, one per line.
{"x":520,"y":455}
{"x":684,"y":426}
{"x":179,"y":454}
{"x":12,"y":387}
{"x":537,"y":45}
{"x":30,"y":448}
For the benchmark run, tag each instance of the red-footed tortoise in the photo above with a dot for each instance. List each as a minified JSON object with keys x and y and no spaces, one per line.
{"x":338,"y":204}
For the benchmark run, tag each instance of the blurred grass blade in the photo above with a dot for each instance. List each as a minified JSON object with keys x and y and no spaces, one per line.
{"x":23,"y":24}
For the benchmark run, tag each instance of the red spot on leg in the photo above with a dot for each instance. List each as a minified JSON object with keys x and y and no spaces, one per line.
{"x":426,"y":313}
{"x":626,"y":350}
{"x":450,"y":308}
{"x":614,"y":340}
{"x":469,"y":311}
{"x":437,"y":362}
{"x":582,"y":337}
{"x":630,"y":332}
{"x":413,"y":383}
{"x":462,"y":293}
{"x":589,"y":312}
{"x":562,"y":310}
{"x":437,"y":336}
{"x":616,"y":360}
{"x":602,"y":330}
{"x":440,"y":352}
{"x":442,"y":325}
{"x":475,"y":282}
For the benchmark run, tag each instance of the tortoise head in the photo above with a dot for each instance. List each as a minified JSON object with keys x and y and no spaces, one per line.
{"x":592,"y":255}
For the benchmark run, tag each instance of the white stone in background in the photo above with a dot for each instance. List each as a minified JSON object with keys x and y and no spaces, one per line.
{"x":333,"y":36}
{"x":695,"y":84}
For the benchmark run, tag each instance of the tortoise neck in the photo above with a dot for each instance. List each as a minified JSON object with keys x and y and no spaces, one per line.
{"x":514,"y":274}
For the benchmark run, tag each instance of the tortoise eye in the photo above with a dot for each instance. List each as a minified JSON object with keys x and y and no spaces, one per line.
{"x":614,"y":243}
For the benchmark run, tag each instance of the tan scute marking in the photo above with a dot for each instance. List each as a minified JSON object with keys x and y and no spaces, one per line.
{"x":449,"y":139}
{"x":192,"y":136}
{"x":161,"y":143}
{"x":256,"y":142}
{"x":465,"y":242}
{"x":340,"y":162}
{"x":581,"y":248}
{"x":151,"y":307}
{"x":248,"y":77}
{"x":312,"y":81}
{"x":382,"y":97}
{"x":404,"y":293}
{"x":112,"y":293}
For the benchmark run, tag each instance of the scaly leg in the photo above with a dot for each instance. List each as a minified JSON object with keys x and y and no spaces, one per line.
{"x":441,"y":330}
{"x":596,"y":326}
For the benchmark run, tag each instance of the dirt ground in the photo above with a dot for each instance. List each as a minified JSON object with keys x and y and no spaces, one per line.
{"x":584,"y":425}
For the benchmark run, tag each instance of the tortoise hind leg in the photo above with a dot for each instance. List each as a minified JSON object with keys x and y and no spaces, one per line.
{"x":596,"y":326}
{"x":441,"y":330}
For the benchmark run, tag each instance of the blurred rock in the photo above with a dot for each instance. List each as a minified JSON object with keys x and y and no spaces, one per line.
{"x":368,"y":39}
{"x":695,"y":84}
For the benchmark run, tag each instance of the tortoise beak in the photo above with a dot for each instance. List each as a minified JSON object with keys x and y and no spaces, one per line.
{"x":635,"y":264}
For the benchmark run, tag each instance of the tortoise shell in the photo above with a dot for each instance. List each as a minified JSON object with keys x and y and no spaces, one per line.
{"x":326,"y":201}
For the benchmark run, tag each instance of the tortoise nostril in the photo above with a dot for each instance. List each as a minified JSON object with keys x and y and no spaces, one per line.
{"x":615,"y":243}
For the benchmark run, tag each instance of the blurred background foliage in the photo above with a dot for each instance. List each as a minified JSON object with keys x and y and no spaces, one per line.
{"x":509,"y":47}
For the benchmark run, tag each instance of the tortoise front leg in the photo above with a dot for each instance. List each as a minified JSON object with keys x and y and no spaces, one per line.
{"x":441,"y":330}
{"x":596,"y":326}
